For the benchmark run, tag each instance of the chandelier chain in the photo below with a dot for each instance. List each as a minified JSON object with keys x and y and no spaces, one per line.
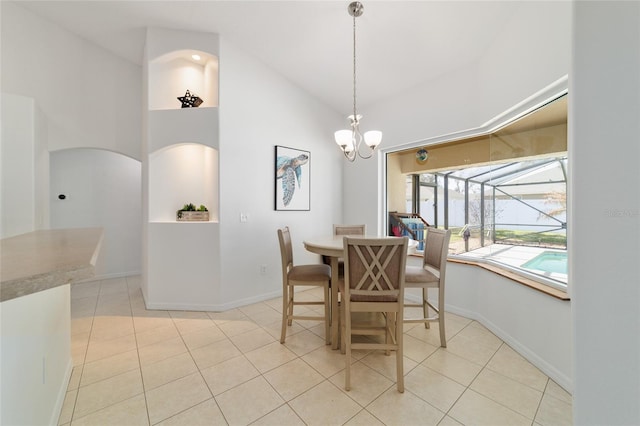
{"x":354,"y":68}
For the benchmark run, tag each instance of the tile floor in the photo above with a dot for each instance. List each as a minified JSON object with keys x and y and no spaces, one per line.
{"x":138,"y":367}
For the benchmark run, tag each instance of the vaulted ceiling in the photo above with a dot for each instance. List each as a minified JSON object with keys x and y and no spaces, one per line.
{"x":400,"y":44}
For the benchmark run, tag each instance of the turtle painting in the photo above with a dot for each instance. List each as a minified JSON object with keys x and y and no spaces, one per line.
{"x":289,"y":171}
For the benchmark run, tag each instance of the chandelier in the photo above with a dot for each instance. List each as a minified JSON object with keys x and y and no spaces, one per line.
{"x":350,"y":141}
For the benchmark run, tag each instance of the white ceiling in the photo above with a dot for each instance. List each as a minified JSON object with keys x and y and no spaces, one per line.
{"x":400,"y":43}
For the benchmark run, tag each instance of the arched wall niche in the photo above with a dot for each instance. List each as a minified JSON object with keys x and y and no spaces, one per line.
{"x":180,"y":174}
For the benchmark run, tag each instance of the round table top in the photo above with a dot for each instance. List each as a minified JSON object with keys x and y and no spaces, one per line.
{"x":332,"y":245}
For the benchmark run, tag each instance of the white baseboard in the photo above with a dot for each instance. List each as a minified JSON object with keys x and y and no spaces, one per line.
{"x":209,"y":307}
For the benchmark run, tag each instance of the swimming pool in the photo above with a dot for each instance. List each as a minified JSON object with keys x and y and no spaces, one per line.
{"x":548,"y":261}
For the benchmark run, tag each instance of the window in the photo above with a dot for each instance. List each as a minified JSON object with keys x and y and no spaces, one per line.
{"x":503,"y":196}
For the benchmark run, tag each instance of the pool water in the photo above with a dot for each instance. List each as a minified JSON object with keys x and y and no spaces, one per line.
{"x":548,"y":261}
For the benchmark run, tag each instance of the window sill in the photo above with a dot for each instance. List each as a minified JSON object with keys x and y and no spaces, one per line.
{"x":513,"y":276}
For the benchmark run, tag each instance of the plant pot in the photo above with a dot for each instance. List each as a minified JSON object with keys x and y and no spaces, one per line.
{"x":192,"y":216}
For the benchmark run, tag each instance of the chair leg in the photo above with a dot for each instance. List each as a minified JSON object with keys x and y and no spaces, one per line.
{"x":347,"y":344}
{"x":285,"y":311}
{"x":399,"y":355}
{"x":290,"y":310}
{"x":425,"y":306}
{"x":443,"y":339}
{"x":327,"y":316}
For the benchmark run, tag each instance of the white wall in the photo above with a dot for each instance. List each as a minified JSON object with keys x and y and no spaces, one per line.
{"x":102,"y":189}
{"x":604,"y":197}
{"x":258,"y":110}
{"x":25,"y":167}
{"x":90,"y":97}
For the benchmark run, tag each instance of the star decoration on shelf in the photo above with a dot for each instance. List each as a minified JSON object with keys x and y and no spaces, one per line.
{"x":190,"y":100}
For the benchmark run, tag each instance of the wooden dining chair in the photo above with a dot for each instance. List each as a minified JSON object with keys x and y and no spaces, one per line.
{"x":431,"y":275}
{"x":339,"y":230}
{"x":301,"y":275}
{"x":373,"y":283}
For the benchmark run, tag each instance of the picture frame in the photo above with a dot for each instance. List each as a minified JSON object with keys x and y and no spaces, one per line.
{"x":292,"y":179}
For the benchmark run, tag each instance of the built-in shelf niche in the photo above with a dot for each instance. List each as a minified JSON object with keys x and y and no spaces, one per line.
{"x":172,"y":74}
{"x":181,"y":174}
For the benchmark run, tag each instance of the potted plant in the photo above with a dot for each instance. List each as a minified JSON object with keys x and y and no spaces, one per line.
{"x":188,"y":212}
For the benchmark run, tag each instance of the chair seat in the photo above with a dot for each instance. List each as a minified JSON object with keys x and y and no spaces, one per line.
{"x":421,"y":276}
{"x":366,"y":298}
{"x":310,"y":273}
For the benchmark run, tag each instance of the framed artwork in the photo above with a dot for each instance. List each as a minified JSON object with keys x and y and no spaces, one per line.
{"x":292,"y":179}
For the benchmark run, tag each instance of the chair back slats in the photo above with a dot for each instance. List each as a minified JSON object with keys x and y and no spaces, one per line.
{"x":286,"y":249}
{"x":436,"y":248}
{"x":375,"y":267}
{"x":349,"y":229}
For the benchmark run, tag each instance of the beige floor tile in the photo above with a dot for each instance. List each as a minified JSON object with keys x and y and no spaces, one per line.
{"x":81,"y":325}
{"x":87,"y":289}
{"x":448,"y":421}
{"x":248,"y":402}
{"x":99,"y":395}
{"x":325,"y":404}
{"x":215,"y":353}
{"x":394,"y":408}
{"x":293,"y":378}
{"x":427,"y":335}
{"x":189,"y":325}
{"x":554,"y":412}
{"x":433,"y":387}
{"x":148,"y":322}
{"x":468,"y":349}
{"x":508,"y":392}
{"x":167,"y":370}
{"x":275,"y":329}
{"x":513,"y":365}
{"x":325,"y":360}
{"x":366,"y":384}
{"x":364,"y":418}
{"x":203,"y":337}
{"x":175,"y":397}
{"x":132,"y":411}
{"x":386,"y":365}
{"x":161,"y":350}
{"x":453,"y":366}
{"x":110,"y":327}
{"x":480,"y":335}
{"x":282,"y":415}
{"x":416,"y":349}
{"x":157,"y":334}
{"x":235,"y":327}
{"x":251,"y":340}
{"x":83,"y":306}
{"x":230,"y":315}
{"x":101,"y":349}
{"x":254,"y":308}
{"x":76,"y":375}
{"x":182,"y":315}
{"x":108,"y":367}
{"x":266,"y":316}
{"x":116,"y":285}
{"x":555,"y":390}
{"x":270,"y":356}
{"x":473,"y":408}
{"x":229,"y":374}
{"x":67,"y":407}
{"x":304,"y":342}
{"x":206,"y":413}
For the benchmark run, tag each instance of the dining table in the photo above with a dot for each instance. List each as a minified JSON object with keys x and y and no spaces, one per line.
{"x":332,"y":247}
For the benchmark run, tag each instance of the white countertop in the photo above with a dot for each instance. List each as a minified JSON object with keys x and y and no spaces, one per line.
{"x":44,"y":259}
